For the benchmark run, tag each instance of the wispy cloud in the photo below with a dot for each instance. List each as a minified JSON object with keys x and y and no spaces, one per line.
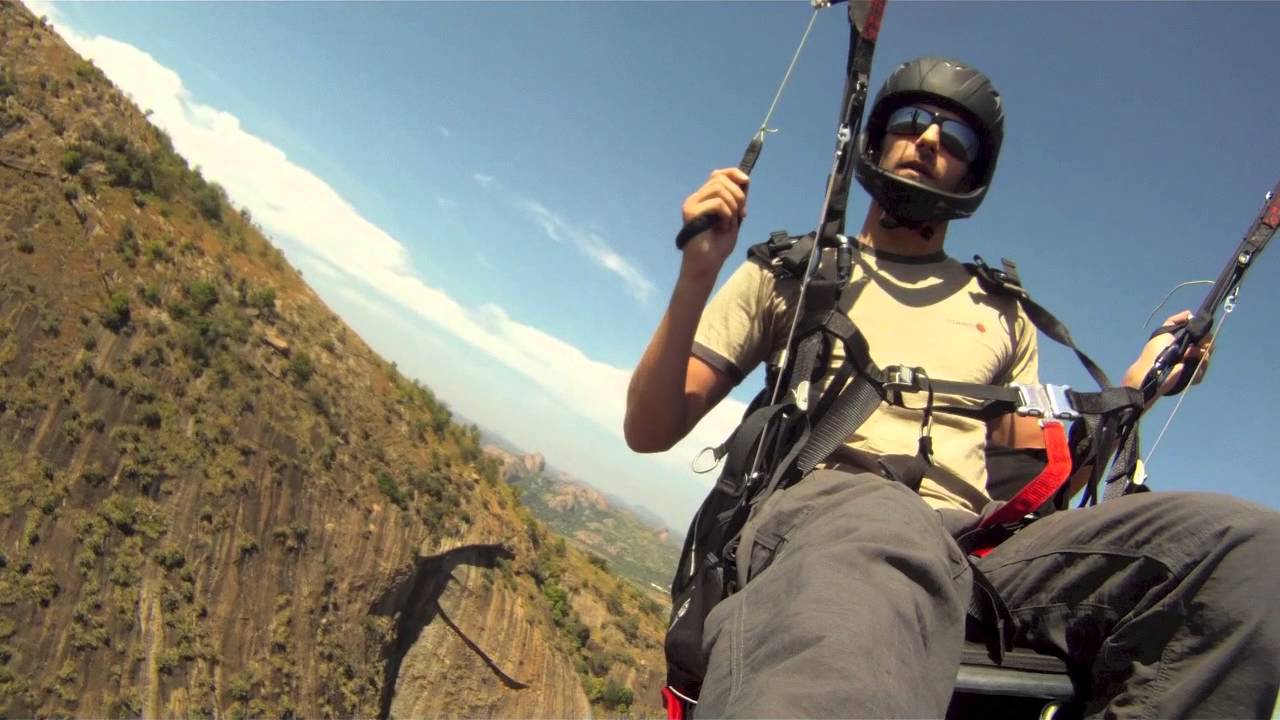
{"x":293,"y":204}
{"x":444,"y":131}
{"x":586,"y":241}
{"x":591,"y":245}
{"x":446,"y":204}
{"x":367,"y":302}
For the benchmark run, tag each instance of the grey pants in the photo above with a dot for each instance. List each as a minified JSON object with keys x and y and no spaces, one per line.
{"x":857,"y":594}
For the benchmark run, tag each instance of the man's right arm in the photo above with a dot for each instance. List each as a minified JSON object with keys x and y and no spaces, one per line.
{"x":671,"y":390}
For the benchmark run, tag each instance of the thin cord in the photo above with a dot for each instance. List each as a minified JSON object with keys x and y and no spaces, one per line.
{"x":1230,"y":303}
{"x":1171,"y":292}
{"x":764,"y":126}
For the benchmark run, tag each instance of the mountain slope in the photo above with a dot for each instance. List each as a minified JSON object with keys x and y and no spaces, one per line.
{"x":620,"y":540}
{"x":215,"y":499}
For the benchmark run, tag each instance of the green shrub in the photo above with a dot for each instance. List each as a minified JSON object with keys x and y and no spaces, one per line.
{"x":85,"y":70}
{"x":116,"y":315}
{"x":93,"y":476}
{"x":301,"y":367}
{"x":209,"y":202}
{"x":391,"y":489}
{"x":263,"y":299}
{"x":127,"y":243}
{"x":200,"y":337}
{"x":617,"y":696}
{"x":72,"y":161}
{"x":203,"y":295}
{"x":558,"y":597}
{"x":614,"y":603}
{"x":169,"y":558}
{"x":246,"y":545}
{"x":650,"y":607}
{"x":157,"y":252}
{"x":8,"y":85}
{"x":630,"y":627}
{"x":150,"y":294}
{"x":149,"y":416}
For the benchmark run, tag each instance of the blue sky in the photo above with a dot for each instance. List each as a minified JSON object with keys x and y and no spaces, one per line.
{"x":488,"y":192}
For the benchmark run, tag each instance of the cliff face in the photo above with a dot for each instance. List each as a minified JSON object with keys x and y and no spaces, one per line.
{"x":215,"y":499}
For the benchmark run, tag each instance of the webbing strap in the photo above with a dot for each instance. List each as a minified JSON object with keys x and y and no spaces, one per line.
{"x":1038,"y":491}
{"x":1122,"y":480}
{"x":992,"y":615}
{"x":745,"y":437}
{"x":1050,"y":325}
{"x":1110,"y":422}
{"x":999,"y":393}
{"x":858,"y":401}
{"x":1044,"y":320}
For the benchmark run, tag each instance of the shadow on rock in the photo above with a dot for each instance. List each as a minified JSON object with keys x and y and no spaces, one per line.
{"x":416,"y":600}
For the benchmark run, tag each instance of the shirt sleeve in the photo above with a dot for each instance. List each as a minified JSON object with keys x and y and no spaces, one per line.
{"x":735,"y":332}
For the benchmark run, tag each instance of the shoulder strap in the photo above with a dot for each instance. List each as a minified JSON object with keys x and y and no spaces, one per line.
{"x":1007,"y":282}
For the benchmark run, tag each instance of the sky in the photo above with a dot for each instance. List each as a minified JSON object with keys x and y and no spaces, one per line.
{"x":488,"y":192}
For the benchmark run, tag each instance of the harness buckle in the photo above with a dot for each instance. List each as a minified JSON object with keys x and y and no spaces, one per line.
{"x":1060,"y":404}
{"x":1047,"y":402}
{"x":901,"y":378}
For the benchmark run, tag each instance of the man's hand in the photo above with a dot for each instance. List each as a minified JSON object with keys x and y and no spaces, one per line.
{"x":724,"y":196}
{"x":1137,"y":372}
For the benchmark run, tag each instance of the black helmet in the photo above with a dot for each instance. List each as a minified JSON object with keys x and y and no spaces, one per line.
{"x":949,"y":84}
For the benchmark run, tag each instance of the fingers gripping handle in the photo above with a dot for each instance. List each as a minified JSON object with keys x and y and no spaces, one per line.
{"x":1184,"y":337}
{"x":703,"y":223}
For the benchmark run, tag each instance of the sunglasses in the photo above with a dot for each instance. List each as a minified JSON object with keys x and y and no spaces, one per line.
{"x":957,"y":137}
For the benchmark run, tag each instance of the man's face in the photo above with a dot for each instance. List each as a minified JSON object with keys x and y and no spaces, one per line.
{"x":923,"y":158}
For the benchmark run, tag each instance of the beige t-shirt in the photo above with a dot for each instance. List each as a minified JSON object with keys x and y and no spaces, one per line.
{"x":924,"y":312}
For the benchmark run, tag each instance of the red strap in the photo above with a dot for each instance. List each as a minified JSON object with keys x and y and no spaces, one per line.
{"x":1038,"y":491}
{"x":673,"y":704}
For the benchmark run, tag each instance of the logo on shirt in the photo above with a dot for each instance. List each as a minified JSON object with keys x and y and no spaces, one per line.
{"x":981,"y":327}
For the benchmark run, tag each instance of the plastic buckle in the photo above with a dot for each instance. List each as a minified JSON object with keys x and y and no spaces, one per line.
{"x":898,"y":377}
{"x":1060,"y":404}
{"x":1047,"y":402}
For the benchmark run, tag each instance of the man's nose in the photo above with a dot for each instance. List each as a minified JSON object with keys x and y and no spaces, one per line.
{"x":931,"y":136}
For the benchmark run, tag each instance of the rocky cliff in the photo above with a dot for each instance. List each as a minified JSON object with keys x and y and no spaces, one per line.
{"x":215,"y":499}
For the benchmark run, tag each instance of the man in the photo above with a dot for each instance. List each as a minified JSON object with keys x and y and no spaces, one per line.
{"x":858,"y":591}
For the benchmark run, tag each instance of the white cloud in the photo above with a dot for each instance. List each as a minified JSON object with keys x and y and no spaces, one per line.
{"x":292,"y":203}
{"x":366,"y":302}
{"x":591,"y":245}
{"x":446,"y":204}
{"x":585,"y":241}
{"x":444,"y":131}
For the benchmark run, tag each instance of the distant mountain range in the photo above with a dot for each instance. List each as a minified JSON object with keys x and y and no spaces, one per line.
{"x":634,"y":542}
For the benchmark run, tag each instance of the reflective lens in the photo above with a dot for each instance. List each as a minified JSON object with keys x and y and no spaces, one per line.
{"x":958,"y":138}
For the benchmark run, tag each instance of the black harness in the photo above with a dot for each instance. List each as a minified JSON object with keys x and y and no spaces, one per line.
{"x":780,"y":442}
